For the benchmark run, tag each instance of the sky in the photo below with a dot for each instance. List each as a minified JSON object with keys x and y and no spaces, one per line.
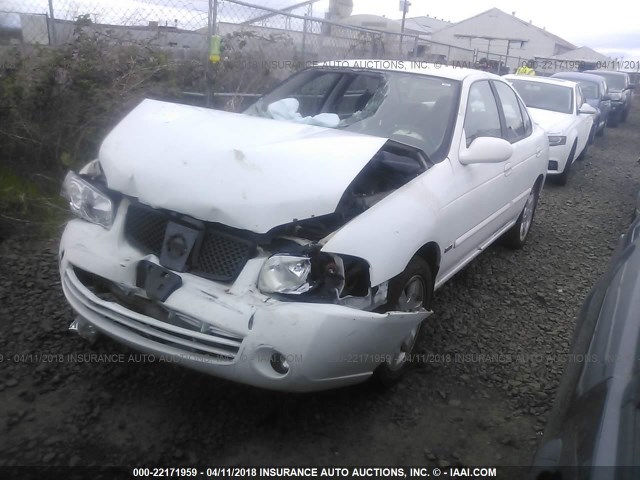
{"x":612,"y":31}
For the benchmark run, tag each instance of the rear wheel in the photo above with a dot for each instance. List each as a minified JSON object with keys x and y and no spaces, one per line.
{"x":410,"y":291}
{"x":516,"y":236}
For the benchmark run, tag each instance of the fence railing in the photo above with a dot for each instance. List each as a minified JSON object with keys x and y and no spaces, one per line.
{"x":260,"y":45}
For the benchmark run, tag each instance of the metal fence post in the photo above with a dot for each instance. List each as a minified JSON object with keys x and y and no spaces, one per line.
{"x":304,"y":38}
{"x":211,"y":31}
{"x":52,"y":25}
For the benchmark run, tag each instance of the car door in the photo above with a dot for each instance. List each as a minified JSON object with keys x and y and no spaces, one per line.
{"x":605,"y":101}
{"x":584,"y":121}
{"x":481,"y":201}
{"x":521,"y":170}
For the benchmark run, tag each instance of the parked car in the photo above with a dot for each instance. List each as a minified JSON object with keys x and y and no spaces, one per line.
{"x":297,"y":246}
{"x":620,"y":91}
{"x":634,"y":78}
{"x":560,"y":107}
{"x":594,"y":420}
{"x":594,"y":89}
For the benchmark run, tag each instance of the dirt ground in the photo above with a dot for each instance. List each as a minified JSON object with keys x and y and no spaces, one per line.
{"x":492,"y":359}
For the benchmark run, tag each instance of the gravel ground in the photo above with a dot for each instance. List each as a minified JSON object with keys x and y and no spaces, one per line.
{"x":492,"y":360}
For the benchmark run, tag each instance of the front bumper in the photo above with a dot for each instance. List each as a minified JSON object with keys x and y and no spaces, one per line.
{"x":325,"y":345}
{"x":558,"y":157}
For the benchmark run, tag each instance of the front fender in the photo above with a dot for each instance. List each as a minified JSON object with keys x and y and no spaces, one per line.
{"x":389,"y":234}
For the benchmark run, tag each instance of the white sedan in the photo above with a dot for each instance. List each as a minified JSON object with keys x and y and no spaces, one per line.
{"x":560,"y":108}
{"x":297,"y":246}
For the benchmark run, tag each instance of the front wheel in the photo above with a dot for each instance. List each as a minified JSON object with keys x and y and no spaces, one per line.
{"x":625,"y":114}
{"x":410,"y":291}
{"x":564,"y":176}
{"x":614,"y":120}
{"x":516,"y":236}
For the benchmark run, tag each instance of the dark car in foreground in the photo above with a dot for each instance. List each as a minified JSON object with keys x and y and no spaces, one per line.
{"x":595,"y":420}
{"x":594,"y":88}
{"x":620,"y":90}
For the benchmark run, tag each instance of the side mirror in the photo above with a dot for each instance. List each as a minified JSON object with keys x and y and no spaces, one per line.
{"x":486,"y":150}
{"x":587,"y":109}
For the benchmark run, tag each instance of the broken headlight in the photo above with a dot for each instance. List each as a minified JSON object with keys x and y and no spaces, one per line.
{"x":88,"y":202}
{"x":285,"y":274}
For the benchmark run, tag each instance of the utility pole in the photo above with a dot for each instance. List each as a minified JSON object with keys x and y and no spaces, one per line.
{"x":52,"y":25}
{"x":404,"y":6}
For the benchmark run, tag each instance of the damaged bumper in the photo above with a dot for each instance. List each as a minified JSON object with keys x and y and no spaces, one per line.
{"x":228,"y":330}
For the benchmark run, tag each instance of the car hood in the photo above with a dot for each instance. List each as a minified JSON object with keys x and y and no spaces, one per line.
{"x":550,"y":121}
{"x":242,"y":171}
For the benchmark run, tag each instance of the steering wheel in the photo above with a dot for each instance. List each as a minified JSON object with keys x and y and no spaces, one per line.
{"x":406,"y":134}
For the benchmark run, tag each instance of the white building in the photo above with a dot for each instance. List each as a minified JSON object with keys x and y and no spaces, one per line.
{"x":496,"y":34}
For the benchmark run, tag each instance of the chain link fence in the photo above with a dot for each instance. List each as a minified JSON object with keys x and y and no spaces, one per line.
{"x":260,"y":44}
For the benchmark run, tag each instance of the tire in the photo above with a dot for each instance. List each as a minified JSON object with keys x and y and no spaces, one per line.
{"x":564,"y":176}
{"x":625,"y":114}
{"x":592,"y":135}
{"x":600,"y":133}
{"x":614,"y":121}
{"x":584,"y":152}
{"x":417,"y":274}
{"x":516,"y":237}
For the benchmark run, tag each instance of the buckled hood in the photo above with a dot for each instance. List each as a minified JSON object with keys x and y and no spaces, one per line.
{"x":246,"y":172}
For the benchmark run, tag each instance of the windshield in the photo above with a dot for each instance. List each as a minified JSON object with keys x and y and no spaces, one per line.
{"x":615,"y":81}
{"x":417,"y":110}
{"x":556,"y":98}
{"x":589,"y":89}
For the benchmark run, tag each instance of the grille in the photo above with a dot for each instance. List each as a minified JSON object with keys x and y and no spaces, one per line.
{"x":221,"y":256}
{"x":144,"y":228}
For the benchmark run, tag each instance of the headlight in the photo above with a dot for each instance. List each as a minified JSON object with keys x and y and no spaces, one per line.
{"x":86,"y":201}
{"x":616,"y":96}
{"x":555,"y":140}
{"x":285,"y":274}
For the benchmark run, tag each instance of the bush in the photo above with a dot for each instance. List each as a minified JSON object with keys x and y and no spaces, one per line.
{"x":57,"y":104}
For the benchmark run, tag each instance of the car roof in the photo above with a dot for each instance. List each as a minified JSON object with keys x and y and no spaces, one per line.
{"x":549,"y":81}
{"x":605,"y":72}
{"x":587,"y":77}
{"x":422,"y":68}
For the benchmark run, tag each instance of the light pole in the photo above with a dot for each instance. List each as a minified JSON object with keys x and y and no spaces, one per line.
{"x":404,"y":6}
